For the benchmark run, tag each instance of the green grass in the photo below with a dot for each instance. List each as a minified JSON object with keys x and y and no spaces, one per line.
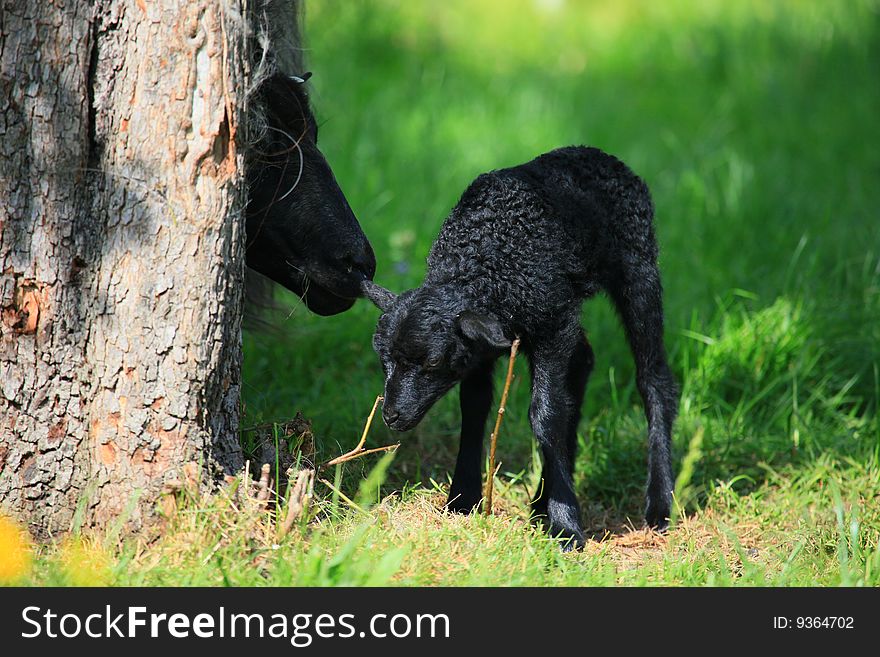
{"x":754,"y":124}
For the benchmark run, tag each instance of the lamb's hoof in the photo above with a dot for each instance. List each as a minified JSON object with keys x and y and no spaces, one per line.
{"x":461,"y":504}
{"x":573,"y":544}
{"x":569,"y":540}
{"x":657,"y":518}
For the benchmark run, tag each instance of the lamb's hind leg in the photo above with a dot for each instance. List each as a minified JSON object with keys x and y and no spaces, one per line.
{"x":580,"y":366}
{"x":639,"y":302}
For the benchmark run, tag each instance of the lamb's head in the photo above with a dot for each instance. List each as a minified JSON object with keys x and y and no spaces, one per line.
{"x":428,"y":340}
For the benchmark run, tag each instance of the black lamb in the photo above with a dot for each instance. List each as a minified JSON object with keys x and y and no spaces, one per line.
{"x":516,"y":258}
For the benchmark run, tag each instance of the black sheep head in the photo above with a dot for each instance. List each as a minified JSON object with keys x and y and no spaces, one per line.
{"x":301,"y":232}
{"x":428,"y":340}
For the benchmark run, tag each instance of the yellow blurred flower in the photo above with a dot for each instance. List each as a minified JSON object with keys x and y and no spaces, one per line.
{"x":84,"y":562}
{"x":15,"y":551}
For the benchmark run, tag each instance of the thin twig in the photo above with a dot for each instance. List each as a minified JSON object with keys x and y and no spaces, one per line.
{"x":360,"y":453}
{"x":359,"y":450}
{"x":493,"y":439}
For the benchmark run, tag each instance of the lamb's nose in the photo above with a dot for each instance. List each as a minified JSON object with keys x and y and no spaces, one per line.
{"x":391,"y":416}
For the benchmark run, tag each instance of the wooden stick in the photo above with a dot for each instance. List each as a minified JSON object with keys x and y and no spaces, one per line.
{"x":359,"y":453}
{"x":359,"y":450}
{"x":493,"y":439}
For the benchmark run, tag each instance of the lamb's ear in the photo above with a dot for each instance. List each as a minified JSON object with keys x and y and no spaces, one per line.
{"x":382,"y":298}
{"x":482,"y":328}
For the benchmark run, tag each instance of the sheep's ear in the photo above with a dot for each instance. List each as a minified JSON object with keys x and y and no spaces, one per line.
{"x":382,"y":298}
{"x":482,"y":328}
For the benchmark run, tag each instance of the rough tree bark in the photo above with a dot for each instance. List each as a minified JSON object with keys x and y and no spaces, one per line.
{"x":121,"y":255}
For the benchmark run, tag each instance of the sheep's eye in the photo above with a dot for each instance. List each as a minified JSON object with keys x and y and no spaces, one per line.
{"x":433,"y":363}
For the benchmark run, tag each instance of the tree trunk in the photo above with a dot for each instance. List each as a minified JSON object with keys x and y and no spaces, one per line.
{"x":121,"y":253}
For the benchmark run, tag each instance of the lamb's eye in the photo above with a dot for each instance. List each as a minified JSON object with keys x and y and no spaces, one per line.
{"x":434,"y":362}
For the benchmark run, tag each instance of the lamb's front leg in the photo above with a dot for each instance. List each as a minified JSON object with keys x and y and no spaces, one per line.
{"x":579,"y":367}
{"x":475,"y":396}
{"x":555,"y":405}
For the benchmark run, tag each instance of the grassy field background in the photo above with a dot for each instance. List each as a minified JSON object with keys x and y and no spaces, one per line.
{"x":755,"y":126}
